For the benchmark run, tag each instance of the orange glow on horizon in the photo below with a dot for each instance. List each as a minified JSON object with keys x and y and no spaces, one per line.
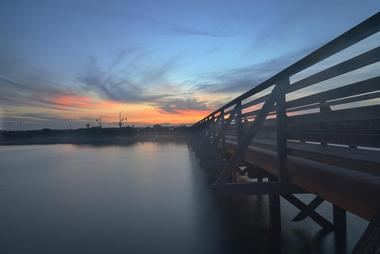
{"x":83,"y":107}
{"x":81,"y":102}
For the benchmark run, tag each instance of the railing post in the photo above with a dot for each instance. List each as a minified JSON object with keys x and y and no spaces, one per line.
{"x":324,"y":107}
{"x":207,"y":127}
{"x":222,"y":132}
{"x":226,"y":124}
{"x":210,"y":127}
{"x":281,"y":129}
{"x":236,"y":157}
{"x":274,"y":199}
{"x":339,"y":217}
{"x":274,"y":213}
{"x":205,"y":132}
{"x":239,"y":123}
{"x":203,"y":128}
{"x":369,"y":241}
{"x":214,"y":126}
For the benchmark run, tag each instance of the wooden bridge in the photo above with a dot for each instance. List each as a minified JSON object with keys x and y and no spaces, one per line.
{"x":312,"y":128}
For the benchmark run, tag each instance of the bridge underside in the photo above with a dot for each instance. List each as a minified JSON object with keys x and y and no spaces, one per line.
{"x":354,"y":191}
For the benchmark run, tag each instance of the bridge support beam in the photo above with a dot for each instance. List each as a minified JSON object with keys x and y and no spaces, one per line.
{"x":340,"y":224}
{"x":256,"y":188}
{"x":274,"y":212}
{"x":339,"y":216}
{"x":370,"y":240}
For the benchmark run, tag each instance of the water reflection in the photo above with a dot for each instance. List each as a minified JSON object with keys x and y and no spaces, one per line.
{"x":148,"y":197}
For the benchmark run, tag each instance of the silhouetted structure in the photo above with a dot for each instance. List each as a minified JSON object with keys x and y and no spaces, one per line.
{"x":326,"y":142}
{"x":121,"y":119}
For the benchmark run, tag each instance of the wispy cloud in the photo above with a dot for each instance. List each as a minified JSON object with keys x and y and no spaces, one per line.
{"x":275,"y":29}
{"x":133,"y":85}
{"x":129,"y":85}
{"x":150,"y":21}
{"x":177,"y":105}
{"x":31,"y":97}
{"x":197,"y":31}
{"x":242,"y":79}
{"x":29,"y":91}
{"x":179,"y":28}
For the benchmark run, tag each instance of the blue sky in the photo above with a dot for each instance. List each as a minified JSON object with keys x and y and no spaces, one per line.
{"x":164,"y":56}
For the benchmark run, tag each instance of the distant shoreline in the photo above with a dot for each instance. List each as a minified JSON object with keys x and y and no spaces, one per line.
{"x":94,"y":136}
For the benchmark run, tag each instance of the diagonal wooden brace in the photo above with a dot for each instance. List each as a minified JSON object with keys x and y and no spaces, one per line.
{"x":312,"y":214}
{"x":310,"y":207}
{"x":370,"y":240}
{"x":226,"y":123}
{"x":233,"y":163}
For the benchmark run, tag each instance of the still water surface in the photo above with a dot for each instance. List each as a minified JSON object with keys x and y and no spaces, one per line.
{"x":142,"y":198}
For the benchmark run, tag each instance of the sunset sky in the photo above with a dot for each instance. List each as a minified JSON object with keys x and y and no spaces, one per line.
{"x":67,"y":63}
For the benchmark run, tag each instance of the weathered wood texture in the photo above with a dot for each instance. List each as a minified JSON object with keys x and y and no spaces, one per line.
{"x":312,"y":132}
{"x":352,"y":190}
{"x":311,"y":129}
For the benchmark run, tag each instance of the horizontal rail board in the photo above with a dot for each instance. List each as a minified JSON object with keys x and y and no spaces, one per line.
{"x":361,"y":98}
{"x":255,"y":101}
{"x":351,"y":114}
{"x":359,"y":159}
{"x":357,"y":62}
{"x":351,"y":139}
{"x":347,"y":39}
{"x":361,"y":87}
{"x":324,"y":142}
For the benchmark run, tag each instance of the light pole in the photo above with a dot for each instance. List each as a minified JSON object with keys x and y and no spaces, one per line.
{"x":100,"y":122}
{"x":121,"y":119}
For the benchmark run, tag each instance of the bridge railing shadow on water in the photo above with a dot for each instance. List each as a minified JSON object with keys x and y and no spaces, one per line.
{"x":312,"y":128}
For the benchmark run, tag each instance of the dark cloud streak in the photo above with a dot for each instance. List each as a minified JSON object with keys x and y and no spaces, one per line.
{"x":242,"y":79}
{"x":119,"y":86}
{"x":176,"y":105}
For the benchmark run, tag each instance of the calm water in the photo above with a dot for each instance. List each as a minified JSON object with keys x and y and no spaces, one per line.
{"x":143,"y":198}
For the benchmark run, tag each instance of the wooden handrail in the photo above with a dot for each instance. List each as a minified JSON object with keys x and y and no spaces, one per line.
{"x":347,"y":39}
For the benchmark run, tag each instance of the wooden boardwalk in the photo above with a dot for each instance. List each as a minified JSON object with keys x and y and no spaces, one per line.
{"x":313,"y":127}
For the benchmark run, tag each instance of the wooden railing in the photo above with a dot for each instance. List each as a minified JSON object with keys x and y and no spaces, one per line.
{"x":277,"y":111}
